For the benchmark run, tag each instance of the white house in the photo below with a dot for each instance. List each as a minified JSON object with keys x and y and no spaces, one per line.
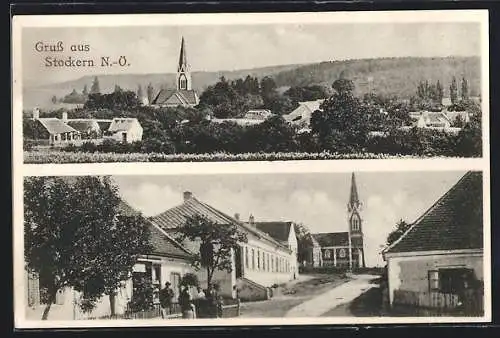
{"x":301,"y":116}
{"x":257,"y":265}
{"x":168,"y":261}
{"x":59,"y":133}
{"x":125,"y":129}
{"x":441,"y":254}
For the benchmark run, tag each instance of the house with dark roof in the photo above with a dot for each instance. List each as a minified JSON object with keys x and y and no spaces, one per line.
{"x":57,"y":132}
{"x":168,"y":261}
{"x":256,"y":265}
{"x":345,"y":249}
{"x":183,"y":95}
{"x":441,"y":255}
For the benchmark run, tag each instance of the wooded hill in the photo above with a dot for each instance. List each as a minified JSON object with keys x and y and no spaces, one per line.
{"x":396,"y":76}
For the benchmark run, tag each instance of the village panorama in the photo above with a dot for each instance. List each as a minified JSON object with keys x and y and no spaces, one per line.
{"x":327,"y":110}
{"x":156,"y":250}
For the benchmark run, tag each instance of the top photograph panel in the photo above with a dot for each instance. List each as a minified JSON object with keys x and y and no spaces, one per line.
{"x":250,"y":87}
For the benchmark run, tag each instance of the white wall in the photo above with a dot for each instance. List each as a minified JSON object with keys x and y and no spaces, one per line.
{"x":269,"y":275}
{"x":411,"y":273}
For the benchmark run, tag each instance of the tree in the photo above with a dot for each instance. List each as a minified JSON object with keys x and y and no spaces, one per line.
{"x":140,"y":94}
{"x":117,"y":89}
{"x":54,"y":99}
{"x":85,"y":91}
{"x":95,"y":88}
{"x":453,"y":91}
{"x":439,"y":92}
{"x":150,"y":92}
{"x":217,"y":242}
{"x":400,"y":229}
{"x":304,"y":241}
{"x":77,"y":235}
{"x":465,"y":90}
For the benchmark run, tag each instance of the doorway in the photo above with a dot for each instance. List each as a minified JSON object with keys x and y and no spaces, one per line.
{"x":238,"y":262}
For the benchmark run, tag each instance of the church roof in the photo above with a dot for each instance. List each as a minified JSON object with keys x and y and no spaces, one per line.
{"x":176,"y":97}
{"x":454,"y":222}
{"x":337,"y":239}
{"x":277,"y":230}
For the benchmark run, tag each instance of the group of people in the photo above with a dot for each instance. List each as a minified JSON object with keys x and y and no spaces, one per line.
{"x":211,"y":298}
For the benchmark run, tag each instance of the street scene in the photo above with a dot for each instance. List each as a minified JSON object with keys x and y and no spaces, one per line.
{"x":156,"y":250}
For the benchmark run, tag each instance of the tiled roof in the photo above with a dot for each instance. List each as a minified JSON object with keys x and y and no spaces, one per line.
{"x":161,"y":242}
{"x":181,"y":96}
{"x":332,"y":239}
{"x":55,"y":126}
{"x":277,"y":230}
{"x":454,"y":222}
{"x":175,"y":217}
{"x":122,"y":124}
{"x":83,"y":125}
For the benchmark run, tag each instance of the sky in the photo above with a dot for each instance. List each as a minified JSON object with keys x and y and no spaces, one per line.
{"x":317,"y":200}
{"x":215,"y":48}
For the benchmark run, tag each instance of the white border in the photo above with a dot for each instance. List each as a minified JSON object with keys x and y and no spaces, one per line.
{"x":20,"y":169}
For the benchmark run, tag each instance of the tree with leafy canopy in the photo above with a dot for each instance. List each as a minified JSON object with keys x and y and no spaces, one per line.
{"x":140,"y":94}
{"x":54,"y":99}
{"x":78,"y":235}
{"x":453,"y":91}
{"x":401,"y":227}
{"x":95,"y":88}
{"x":150,"y":92}
{"x":465,"y":90}
{"x":217,"y":242}
{"x":341,"y":125}
{"x":85,"y":91}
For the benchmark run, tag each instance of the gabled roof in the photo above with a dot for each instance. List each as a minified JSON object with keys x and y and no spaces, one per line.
{"x":332,"y":239}
{"x":122,"y":124}
{"x":55,"y":126}
{"x":175,"y":217}
{"x":83,"y":125}
{"x":454,"y":222}
{"x":173,"y":96}
{"x":303,"y":111}
{"x":162,"y":243}
{"x":277,"y":230}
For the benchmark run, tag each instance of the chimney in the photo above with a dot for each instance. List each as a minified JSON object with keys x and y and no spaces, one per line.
{"x":187,"y":195}
{"x":65,"y":116}
{"x":237,"y":216}
{"x":36,"y":113}
{"x":251,"y":219}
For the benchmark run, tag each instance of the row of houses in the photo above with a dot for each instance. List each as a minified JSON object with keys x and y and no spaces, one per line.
{"x":63,"y":131}
{"x":268,"y":258}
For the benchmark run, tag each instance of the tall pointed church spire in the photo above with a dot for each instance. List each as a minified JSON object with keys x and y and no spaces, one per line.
{"x":183,"y":72}
{"x":182,"y":67}
{"x":353,"y":198}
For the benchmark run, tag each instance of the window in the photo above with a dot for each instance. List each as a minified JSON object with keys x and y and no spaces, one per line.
{"x":327,"y":254}
{"x":434,"y":280}
{"x":253,"y":259}
{"x":268,"y":260}
{"x":355,"y":223}
{"x":246,"y":257}
{"x":258,"y":259}
{"x":277,"y":264}
{"x":264,"y":261}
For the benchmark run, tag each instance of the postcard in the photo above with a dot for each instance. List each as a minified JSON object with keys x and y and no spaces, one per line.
{"x":251,"y":169}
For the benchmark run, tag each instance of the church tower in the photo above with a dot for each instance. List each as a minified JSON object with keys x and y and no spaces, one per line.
{"x":355,"y":223}
{"x":183,"y":80}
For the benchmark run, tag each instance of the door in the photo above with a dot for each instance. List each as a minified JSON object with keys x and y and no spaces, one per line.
{"x":238,"y":262}
{"x":175,"y":280}
{"x":124,"y":137}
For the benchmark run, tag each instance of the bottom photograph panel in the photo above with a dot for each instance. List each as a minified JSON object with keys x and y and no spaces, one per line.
{"x":233,"y":246}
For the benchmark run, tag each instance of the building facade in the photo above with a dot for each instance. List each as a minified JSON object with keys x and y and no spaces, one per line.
{"x":345,"y":249}
{"x":257,"y":264}
{"x":441,"y":255}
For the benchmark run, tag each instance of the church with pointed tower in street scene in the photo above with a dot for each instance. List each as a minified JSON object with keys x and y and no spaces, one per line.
{"x":183,"y":95}
{"x":345,"y":249}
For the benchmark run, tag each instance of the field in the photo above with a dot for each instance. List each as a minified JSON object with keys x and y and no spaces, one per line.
{"x":56,"y":156}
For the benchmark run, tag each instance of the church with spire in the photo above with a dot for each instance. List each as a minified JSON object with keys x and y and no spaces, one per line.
{"x":345,"y":249}
{"x":183,"y":94}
